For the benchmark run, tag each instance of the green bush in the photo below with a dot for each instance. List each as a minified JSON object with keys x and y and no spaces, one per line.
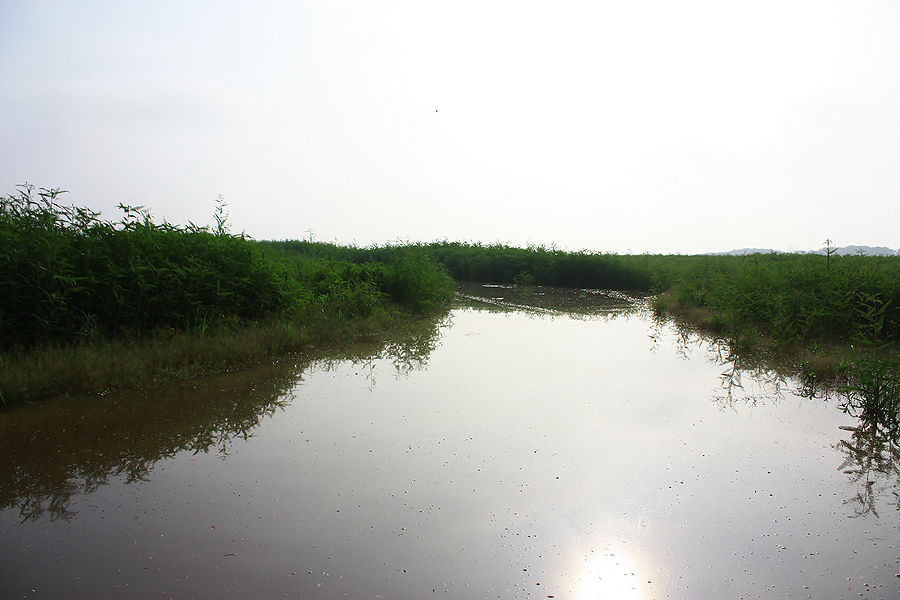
{"x":417,"y":281}
{"x":794,"y":298}
{"x":361,"y":278}
{"x":66,"y":275}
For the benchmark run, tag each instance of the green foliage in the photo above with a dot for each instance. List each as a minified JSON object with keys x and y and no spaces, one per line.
{"x":874,"y":390}
{"x":525,"y":279}
{"x":795,"y":299}
{"x":414,"y":279}
{"x":537,"y":265}
{"x":810,"y":301}
{"x":67,"y":276}
{"x":405,"y":275}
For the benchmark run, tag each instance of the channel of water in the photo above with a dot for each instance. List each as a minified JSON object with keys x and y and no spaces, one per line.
{"x":532,"y":443}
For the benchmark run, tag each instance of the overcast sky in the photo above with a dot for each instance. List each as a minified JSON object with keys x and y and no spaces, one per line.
{"x":646,"y":126}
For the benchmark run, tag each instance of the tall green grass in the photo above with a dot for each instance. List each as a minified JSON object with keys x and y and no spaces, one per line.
{"x":68,"y":276}
{"x":873,"y":393}
{"x":409,"y":276}
{"x":500,"y":263}
{"x":793,"y":299}
{"x":70,"y":279}
{"x":73,"y":286}
{"x":841,"y":313}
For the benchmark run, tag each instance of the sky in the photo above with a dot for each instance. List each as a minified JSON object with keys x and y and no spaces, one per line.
{"x":609,"y":126}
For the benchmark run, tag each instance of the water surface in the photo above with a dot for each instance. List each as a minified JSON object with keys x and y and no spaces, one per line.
{"x":530,"y":444}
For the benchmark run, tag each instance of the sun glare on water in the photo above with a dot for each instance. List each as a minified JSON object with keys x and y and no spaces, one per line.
{"x":609,"y":575}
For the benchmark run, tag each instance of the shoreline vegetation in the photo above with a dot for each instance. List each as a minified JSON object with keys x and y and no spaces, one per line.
{"x":88,"y":305}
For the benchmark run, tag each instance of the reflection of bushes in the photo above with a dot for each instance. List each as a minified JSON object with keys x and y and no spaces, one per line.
{"x":872,"y":460}
{"x":874,"y":390}
{"x":57,"y":451}
{"x":542,"y":301}
{"x":871,"y":453}
{"x":53,"y":453}
{"x":409,"y":350}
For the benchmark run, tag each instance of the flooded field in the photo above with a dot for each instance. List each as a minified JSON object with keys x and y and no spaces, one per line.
{"x":533,"y":443}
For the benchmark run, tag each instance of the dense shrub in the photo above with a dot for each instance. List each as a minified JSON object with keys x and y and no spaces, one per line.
{"x":405,"y":275}
{"x":67,"y":276}
{"x":794,"y":298}
{"x":499,"y":263}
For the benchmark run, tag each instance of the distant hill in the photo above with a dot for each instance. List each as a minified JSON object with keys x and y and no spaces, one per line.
{"x":841,"y":251}
{"x":864,"y":250}
{"x":743,"y":251}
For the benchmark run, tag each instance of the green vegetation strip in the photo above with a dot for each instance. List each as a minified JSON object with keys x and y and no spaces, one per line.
{"x":87,"y":304}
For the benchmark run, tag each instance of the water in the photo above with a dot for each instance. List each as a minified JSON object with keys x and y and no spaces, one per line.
{"x":528,"y":445}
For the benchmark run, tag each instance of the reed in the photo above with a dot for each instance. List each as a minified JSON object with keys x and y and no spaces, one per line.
{"x":873,"y":392}
{"x":74,"y":288}
{"x":795,"y":300}
{"x":67,"y":276}
{"x":87,"y":304}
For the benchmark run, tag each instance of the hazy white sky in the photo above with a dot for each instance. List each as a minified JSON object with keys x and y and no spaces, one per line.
{"x":628,"y":126}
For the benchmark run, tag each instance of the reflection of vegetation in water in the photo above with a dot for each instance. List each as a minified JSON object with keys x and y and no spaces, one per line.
{"x":871,"y":453}
{"x":56,"y":451}
{"x":747,"y":377}
{"x":411,"y":351}
{"x":407,"y":350}
{"x":539,"y":301}
{"x":872,"y":460}
{"x":873,"y":396}
{"x":873,"y":393}
{"x":768,"y":382}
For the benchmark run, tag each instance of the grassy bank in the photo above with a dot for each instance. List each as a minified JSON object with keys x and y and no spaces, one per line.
{"x":788,"y":299}
{"x":784,"y":301}
{"x":794,"y":299}
{"x":828,"y":310}
{"x":87,"y":304}
{"x":837,"y":317}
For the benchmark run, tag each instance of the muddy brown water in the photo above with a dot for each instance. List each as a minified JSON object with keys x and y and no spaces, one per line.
{"x":532,"y":443}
